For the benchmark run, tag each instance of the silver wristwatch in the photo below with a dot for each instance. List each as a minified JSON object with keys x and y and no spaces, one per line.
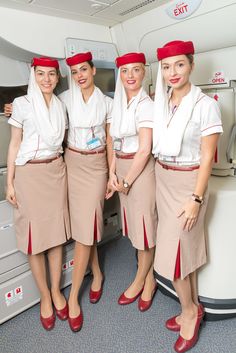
{"x":125,"y":184}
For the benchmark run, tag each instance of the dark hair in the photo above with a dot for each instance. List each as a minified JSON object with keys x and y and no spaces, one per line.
{"x":91,"y":64}
{"x":190,"y":58}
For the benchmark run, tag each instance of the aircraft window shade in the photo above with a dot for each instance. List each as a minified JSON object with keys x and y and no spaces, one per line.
{"x":105,"y":79}
{"x":8,"y":94}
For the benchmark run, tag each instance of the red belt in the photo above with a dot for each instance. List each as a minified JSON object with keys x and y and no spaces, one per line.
{"x":181,"y":169}
{"x":41,"y":161}
{"x":125,"y":156}
{"x":86,"y":152}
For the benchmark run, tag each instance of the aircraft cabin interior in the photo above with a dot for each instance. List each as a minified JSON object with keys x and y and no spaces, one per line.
{"x":60,"y":29}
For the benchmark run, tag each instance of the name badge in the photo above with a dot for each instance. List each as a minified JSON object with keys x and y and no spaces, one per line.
{"x":95,"y":142}
{"x":117,"y":144}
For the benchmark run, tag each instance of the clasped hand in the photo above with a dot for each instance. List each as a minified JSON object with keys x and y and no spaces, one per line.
{"x":114,"y":185}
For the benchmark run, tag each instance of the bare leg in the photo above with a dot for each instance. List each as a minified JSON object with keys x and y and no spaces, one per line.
{"x":97,"y":274}
{"x":194,"y":288}
{"x":55,"y":267}
{"x":188,"y":316}
{"x":38,"y":268}
{"x":145,"y":261}
{"x":81,"y":259}
{"x":150,"y":284}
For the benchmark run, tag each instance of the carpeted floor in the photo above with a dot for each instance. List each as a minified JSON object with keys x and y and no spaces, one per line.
{"x":108,"y":327}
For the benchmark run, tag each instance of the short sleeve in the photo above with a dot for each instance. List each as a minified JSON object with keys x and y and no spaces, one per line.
{"x":145,"y":113}
{"x":17,"y":116}
{"x":210,"y":117}
{"x":109,"y":105}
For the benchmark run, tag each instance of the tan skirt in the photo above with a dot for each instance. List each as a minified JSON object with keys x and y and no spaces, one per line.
{"x":138,"y":208}
{"x":173,"y":189}
{"x":87,"y":180}
{"x":42,"y":218}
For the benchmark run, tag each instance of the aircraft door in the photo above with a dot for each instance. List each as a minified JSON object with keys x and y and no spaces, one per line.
{"x":223,"y":164}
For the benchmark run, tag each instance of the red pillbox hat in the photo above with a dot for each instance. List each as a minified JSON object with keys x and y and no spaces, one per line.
{"x":130,"y":58}
{"x":44,"y":61}
{"x":176,"y":47}
{"x":79,"y":58}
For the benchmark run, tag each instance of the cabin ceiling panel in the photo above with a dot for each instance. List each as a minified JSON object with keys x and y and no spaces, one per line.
{"x":109,"y":2}
{"x":73,"y":6}
{"x":124,"y":10}
{"x":105,"y":12}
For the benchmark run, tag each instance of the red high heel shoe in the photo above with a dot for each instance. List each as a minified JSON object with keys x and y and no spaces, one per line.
{"x":76,"y":322}
{"x":201,"y":311}
{"x":182,"y":345}
{"x":144,"y":305}
{"x":172,"y":325}
{"x":62,"y":314}
{"x":123,"y":300}
{"x":94,"y":296}
{"x":48,"y":323}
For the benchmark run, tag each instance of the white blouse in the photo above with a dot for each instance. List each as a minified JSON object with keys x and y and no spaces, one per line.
{"x":144,"y":118}
{"x":205,"y":120}
{"x":77,"y":136}
{"x":32,"y":146}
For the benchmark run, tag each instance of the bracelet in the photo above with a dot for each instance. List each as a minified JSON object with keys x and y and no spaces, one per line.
{"x":197,"y":198}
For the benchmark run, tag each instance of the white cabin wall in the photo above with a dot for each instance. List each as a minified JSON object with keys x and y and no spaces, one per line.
{"x":19,"y":72}
{"x":206,"y":64}
{"x":45,"y":35}
{"x":212,"y":26}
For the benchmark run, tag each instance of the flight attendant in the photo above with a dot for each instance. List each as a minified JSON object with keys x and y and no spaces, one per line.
{"x":187,"y":125}
{"x":132,"y":172}
{"x":89,"y":113}
{"x":37,"y":185}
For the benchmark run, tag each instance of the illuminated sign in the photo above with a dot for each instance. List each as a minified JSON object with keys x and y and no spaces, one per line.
{"x":183,"y":9}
